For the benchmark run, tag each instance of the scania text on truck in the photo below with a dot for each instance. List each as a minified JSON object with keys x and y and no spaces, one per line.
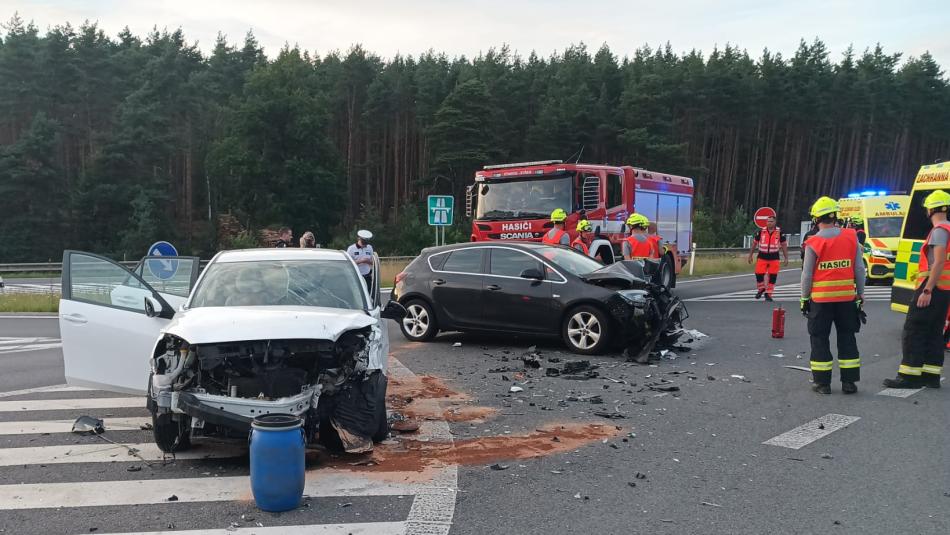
{"x":514,"y":202}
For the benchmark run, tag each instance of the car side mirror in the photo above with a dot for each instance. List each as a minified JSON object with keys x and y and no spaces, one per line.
{"x":393,"y":311}
{"x":153,"y":308}
{"x":532,"y":273}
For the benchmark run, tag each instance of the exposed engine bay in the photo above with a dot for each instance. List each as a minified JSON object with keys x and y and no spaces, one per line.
{"x":648,"y":313}
{"x":219,"y":388}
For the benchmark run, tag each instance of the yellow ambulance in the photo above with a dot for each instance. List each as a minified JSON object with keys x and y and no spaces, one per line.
{"x":914,"y":231}
{"x":883,"y":215}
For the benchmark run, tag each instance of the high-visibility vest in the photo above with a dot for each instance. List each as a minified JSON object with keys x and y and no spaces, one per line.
{"x":923,"y":266}
{"x":769,"y":242}
{"x":833,"y":279}
{"x":579,"y":244}
{"x":657,"y":242}
{"x":555,"y":239}
{"x":641,"y":249}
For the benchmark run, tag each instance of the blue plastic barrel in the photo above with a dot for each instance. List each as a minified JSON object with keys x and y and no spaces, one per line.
{"x":277,"y":461}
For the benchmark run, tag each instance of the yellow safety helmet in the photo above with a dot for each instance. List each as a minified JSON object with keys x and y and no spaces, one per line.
{"x":638,"y":220}
{"x":857,"y":220}
{"x":558,"y":215}
{"x":824,"y":206}
{"x":937,"y":199}
{"x":584,"y":226}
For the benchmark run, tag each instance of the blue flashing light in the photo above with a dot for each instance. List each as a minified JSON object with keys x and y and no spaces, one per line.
{"x":882,"y":193}
{"x":867,"y":193}
{"x":854,"y":195}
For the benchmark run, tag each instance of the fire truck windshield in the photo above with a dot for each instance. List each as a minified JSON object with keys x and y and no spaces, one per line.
{"x":534,"y":198}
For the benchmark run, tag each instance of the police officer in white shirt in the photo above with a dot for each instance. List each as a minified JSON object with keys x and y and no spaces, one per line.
{"x":362,"y":253}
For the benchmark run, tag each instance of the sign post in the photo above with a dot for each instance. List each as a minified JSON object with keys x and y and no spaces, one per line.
{"x":162,"y":269}
{"x":441,"y":213}
{"x":762,"y":215}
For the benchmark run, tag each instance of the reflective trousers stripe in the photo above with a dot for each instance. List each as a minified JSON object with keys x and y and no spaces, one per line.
{"x":849,"y":363}
{"x":827,"y":297}
{"x":930,"y":368}
{"x":909,"y":370}
{"x":840,"y":282}
{"x":820,"y":366}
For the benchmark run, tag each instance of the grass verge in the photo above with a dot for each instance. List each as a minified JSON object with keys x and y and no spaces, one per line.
{"x":29,"y":302}
{"x":388,"y":272}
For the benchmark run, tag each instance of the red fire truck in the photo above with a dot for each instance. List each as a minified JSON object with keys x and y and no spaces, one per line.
{"x":514,"y":202}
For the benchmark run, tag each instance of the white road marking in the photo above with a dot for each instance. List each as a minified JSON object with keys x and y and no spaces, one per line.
{"x":105,"y":452}
{"x":789,"y":292}
{"x":22,"y":345}
{"x":356,"y":528}
{"x":687,"y":281}
{"x":804,"y":435}
{"x":322,"y":482}
{"x":65,"y":426}
{"x":71,"y":404}
{"x":899,"y":392}
{"x":51,"y":388}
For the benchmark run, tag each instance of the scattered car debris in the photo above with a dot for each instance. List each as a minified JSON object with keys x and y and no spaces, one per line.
{"x":799,"y":368}
{"x":710,"y":504}
{"x":146,"y":426}
{"x":87,"y":425}
{"x":457,"y":344}
{"x":516,"y":389}
{"x":498,"y":466}
{"x":172,"y":498}
{"x":638,"y":475}
{"x":552,"y":372}
{"x":827,"y":456}
{"x":531,"y":361}
{"x":611,"y":415}
{"x":404,"y":426}
{"x":134,"y":469}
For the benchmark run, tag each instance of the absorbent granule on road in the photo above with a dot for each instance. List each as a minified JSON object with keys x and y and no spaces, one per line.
{"x":804,"y":435}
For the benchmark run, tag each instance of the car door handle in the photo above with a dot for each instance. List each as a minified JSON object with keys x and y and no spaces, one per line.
{"x":438,"y":282}
{"x":74,"y":318}
{"x":493,"y":287}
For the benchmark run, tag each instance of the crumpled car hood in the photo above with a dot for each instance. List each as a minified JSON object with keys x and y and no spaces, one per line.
{"x":208,"y":325}
{"x":630,"y":274}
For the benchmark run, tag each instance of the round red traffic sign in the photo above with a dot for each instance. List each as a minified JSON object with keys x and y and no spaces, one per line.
{"x":762,"y":215}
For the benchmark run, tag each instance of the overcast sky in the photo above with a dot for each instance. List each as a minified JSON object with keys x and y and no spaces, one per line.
{"x":388,"y":27}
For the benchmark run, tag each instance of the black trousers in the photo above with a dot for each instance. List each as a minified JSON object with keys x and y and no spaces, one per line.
{"x":844,"y":317}
{"x":922,"y":342}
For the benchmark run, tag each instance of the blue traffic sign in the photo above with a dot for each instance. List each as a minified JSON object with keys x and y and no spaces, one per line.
{"x":162,"y":269}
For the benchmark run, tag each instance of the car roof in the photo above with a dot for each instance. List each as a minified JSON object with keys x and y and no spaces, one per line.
{"x":498,"y":243}
{"x":285,"y":253}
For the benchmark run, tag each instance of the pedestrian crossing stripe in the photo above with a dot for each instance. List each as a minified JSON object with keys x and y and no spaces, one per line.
{"x":22,"y":345}
{"x":789,"y":293}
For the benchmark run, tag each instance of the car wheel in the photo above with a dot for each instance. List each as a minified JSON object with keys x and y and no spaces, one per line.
{"x":667,"y":273}
{"x":585,"y":330}
{"x":170,"y":435}
{"x":419,"y":324}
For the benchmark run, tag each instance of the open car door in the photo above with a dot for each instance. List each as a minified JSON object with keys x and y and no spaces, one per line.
{"x":110,"y":320}
{"x":172,"y":277}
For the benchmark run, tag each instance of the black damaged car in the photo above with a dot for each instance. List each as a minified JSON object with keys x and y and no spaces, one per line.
{"x":535,"y":289}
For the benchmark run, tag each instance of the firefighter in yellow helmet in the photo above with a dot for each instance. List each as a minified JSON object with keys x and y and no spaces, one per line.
{"x":833,"y":294}
{"x":557,"y":235}
{"x":922,"y":342}
{"x":583,"y":231}
{"x":638,"y":245}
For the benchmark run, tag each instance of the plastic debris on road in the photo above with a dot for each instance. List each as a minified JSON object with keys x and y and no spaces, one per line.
{"x":88,"y":425}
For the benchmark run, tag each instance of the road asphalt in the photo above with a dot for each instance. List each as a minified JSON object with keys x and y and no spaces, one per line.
{"x":689,"y":459}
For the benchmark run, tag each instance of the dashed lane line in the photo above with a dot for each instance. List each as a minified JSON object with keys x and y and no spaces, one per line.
{"x":805,"y":434}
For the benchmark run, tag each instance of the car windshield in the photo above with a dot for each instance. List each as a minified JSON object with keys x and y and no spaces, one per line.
{"x":885,"y":227}
{"x":322,"y":283}
{"x":534,"y":198}
{"x":573,"y":262}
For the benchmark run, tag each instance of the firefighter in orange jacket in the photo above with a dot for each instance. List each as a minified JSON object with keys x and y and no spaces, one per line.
{"x":580,"y":242}
{"x":638,"y":245}
{"x":833,"y":294}
{"x":767,"y":242}
{"x":922,"y":342}
{"x":557,"y":235}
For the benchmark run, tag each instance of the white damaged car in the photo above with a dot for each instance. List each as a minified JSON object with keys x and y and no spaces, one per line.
{"x":261,"y":331}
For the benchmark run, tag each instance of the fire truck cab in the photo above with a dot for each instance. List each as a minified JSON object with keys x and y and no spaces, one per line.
{"x":514,"y":202}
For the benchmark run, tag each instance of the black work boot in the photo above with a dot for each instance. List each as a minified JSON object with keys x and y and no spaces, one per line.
{"x":930,"y":380}
{"x":758,"y":295}
{"x":903,"y":382}
{"x":768,"y":297}
{"x":821,"y":389}
{"x":849,"y":388}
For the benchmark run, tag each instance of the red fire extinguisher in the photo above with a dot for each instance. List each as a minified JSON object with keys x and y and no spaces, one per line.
{"x":778,"y":322}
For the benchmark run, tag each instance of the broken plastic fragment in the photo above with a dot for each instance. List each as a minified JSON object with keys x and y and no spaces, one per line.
{"x":457,"y":344}
{"x":88,"y":425}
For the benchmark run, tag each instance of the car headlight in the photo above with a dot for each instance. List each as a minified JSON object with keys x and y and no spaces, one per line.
{"x":637,"y":298}
{"x":882,"y":253}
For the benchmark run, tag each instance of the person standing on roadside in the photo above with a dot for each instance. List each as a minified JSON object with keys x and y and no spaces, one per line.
{"x":557,"y":235}
{"x":638,"y":244}
{"x":833,"y":294}
{"x":768,"y":241}
{"x":922,"y":343}
{"x":284,"y":238}
{"x":362,"y":253}
{"x":308,"y":240}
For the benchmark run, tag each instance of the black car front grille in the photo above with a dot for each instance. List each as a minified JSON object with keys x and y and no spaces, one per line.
{"x":878,"y":270}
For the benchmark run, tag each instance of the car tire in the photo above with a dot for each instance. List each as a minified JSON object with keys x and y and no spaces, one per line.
{"x":585,"y":330}
{"x":170,"y":435}
{"x":667,"y":273}
{"x":419,"y":325}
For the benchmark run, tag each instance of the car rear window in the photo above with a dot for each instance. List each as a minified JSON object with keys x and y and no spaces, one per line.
{"x":464,"y":261}
{"x":511,"y":263}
